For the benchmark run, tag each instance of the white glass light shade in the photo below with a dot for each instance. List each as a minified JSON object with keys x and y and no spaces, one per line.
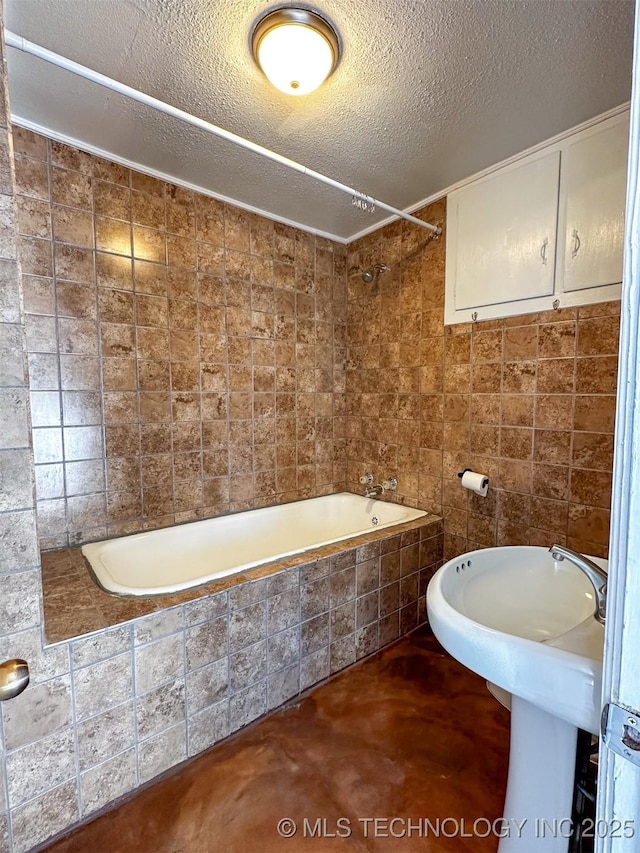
{"x":296,"y":50}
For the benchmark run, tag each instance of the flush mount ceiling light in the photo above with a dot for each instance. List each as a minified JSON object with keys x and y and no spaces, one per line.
{"x":296,"y":49}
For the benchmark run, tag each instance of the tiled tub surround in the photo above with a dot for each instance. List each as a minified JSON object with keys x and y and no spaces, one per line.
{"x":108,"y":712}
{"x":189,"y":555}
{"x":529,"y":400}
{"x":75,"y":605}
{"x":185,"y":357}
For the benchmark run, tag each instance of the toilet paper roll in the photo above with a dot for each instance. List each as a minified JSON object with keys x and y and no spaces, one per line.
{"x":478,"y":483}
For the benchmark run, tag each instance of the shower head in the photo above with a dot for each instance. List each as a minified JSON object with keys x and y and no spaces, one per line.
{"x":369,"y":274}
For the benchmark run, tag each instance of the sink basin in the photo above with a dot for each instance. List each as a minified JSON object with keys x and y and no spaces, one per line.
{"x":525,"y":622}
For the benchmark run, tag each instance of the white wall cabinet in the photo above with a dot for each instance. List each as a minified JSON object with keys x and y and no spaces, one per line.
{"x":544,"y":231}
{"x":592,"y":194}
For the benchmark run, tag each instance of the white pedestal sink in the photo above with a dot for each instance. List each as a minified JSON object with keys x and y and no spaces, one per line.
{"x":525,"y":622}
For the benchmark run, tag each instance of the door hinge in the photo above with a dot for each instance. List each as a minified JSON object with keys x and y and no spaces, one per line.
{"x":620,"y":730}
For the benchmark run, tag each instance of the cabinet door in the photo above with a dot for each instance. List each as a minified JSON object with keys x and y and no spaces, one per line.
{"x":505,"y":234}
{"x":592,"y":196}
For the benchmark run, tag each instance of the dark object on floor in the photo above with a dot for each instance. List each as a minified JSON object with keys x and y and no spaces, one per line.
{"x":584,"y":797}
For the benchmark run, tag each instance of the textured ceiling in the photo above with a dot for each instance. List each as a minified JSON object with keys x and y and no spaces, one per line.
{"x":427,"y":92}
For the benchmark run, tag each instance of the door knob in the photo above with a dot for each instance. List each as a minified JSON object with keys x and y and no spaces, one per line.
{"x":14,"y":677}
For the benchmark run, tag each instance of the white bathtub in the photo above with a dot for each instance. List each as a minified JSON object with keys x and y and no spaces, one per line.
{"x":187,"y":555}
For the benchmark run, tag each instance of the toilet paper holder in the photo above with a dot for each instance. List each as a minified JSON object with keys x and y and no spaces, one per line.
{"x":485,"y":481}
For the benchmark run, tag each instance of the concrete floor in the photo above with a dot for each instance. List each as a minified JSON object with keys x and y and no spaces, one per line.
{"x":408,"y":733}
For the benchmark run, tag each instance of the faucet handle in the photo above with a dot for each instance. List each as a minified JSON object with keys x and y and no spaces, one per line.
{"x":366,"y":479}
{"x":390,"y":485}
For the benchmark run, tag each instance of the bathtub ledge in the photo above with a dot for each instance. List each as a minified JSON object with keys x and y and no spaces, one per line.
{"x":75,"y":606}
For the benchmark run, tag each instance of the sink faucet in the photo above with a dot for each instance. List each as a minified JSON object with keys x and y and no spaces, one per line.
{"x":596,"y":575}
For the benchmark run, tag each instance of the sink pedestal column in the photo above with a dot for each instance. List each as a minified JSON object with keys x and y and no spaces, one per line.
{"x":542,"y":760}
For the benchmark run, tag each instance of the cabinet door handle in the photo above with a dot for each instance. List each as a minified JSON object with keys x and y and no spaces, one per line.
{"x":576,"y":243}
{"x":543,"y":251}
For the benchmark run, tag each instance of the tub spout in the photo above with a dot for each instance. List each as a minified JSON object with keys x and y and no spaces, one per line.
{"x":373,"y":491}
{"x":596,"y":575}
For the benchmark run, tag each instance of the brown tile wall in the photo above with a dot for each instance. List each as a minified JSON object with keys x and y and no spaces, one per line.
{"x":529,"y":400}
{"x":181,"y":351}
{"x":20,"y":587}
{"x":187,"y":359}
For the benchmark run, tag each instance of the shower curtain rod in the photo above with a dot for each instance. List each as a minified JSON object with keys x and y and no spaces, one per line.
{"x":360,"y":199}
